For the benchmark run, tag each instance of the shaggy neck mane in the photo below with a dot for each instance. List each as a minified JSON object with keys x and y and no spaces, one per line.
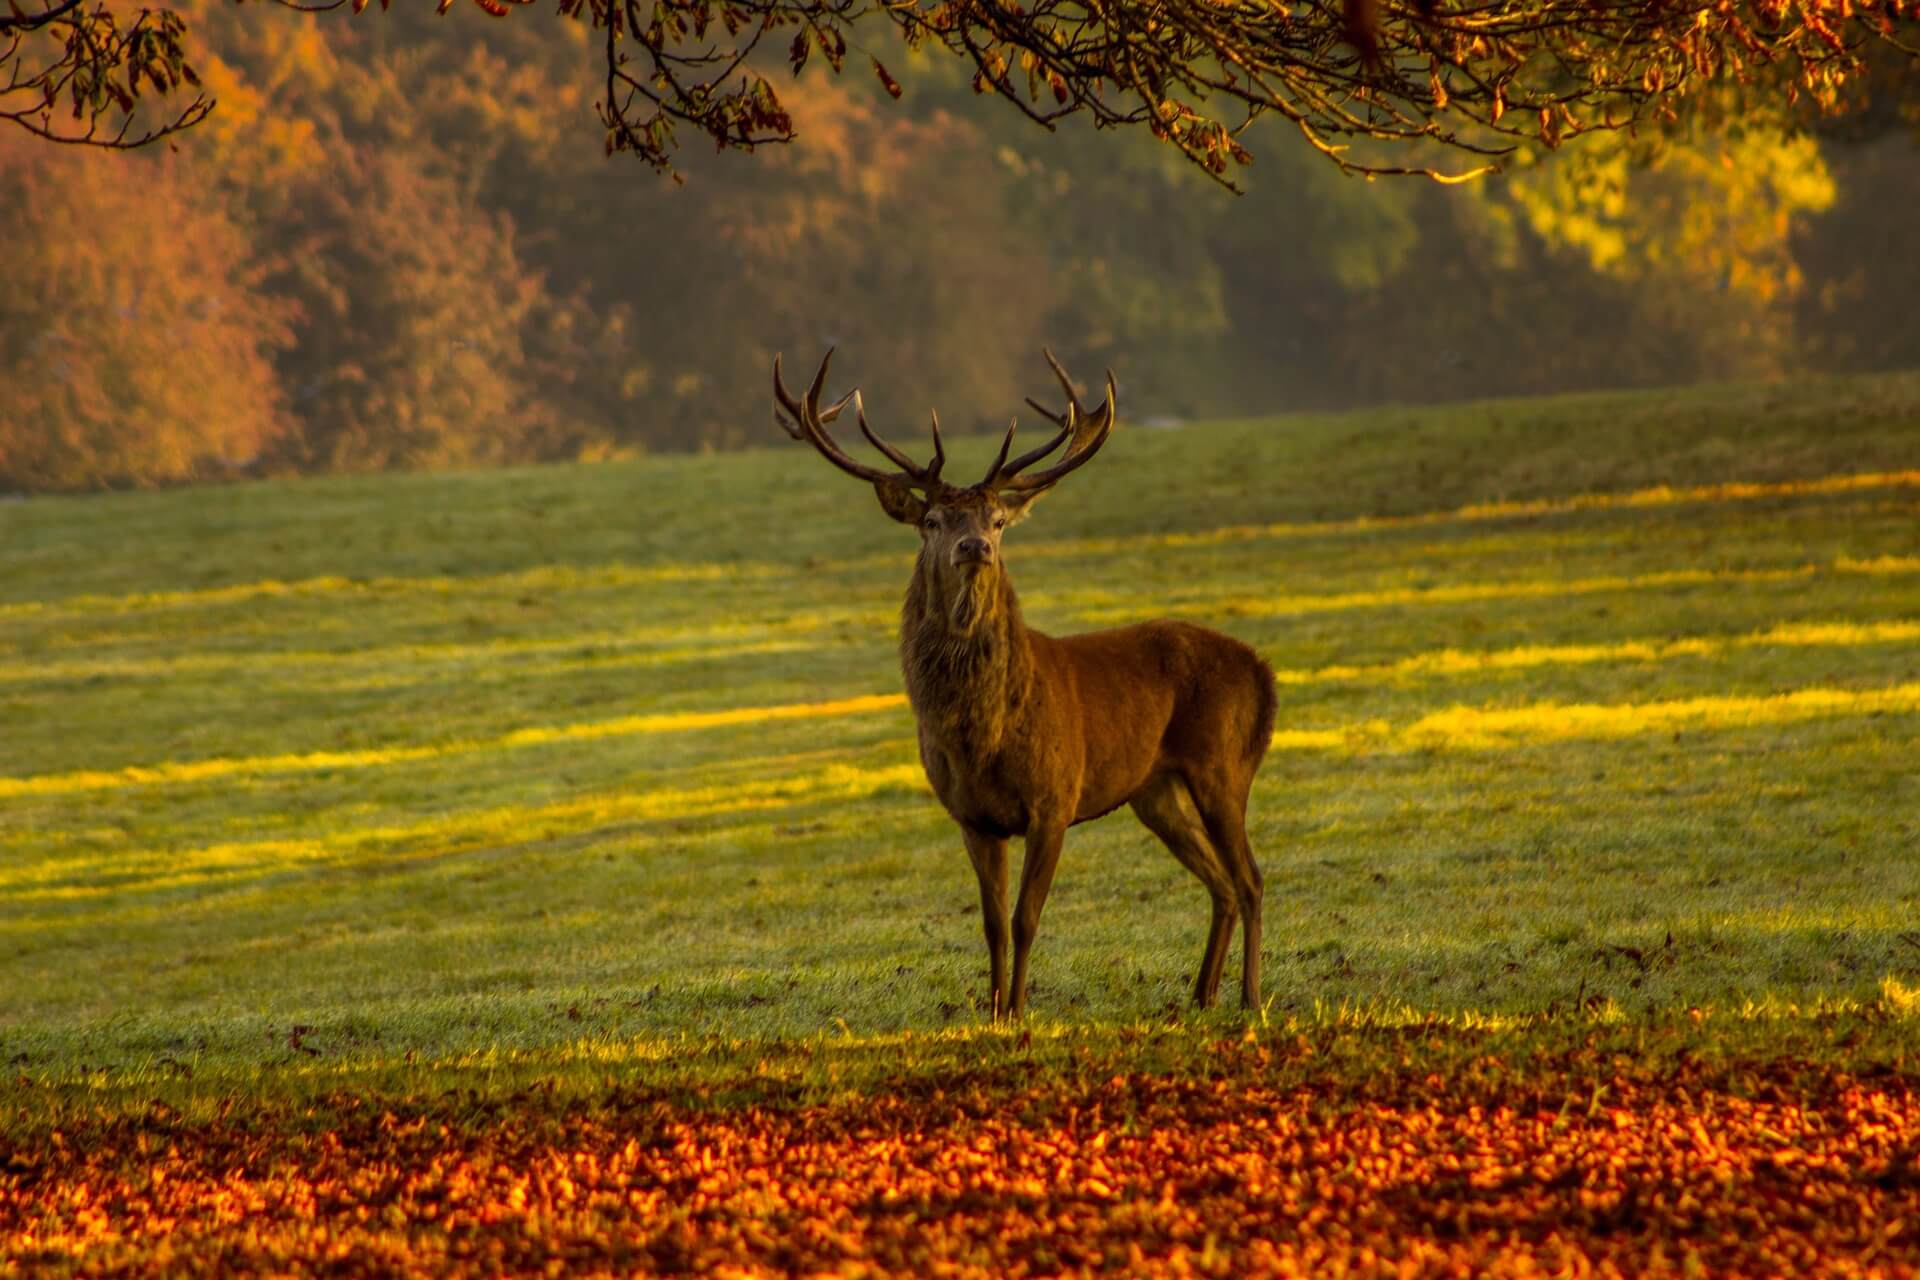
{"x":966,"y":657}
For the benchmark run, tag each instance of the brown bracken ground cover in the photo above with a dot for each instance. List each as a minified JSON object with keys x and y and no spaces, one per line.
{"x":1588,"y":1161}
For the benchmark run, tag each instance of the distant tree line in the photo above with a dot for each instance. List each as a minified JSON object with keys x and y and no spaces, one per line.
{"x":392,"y":247}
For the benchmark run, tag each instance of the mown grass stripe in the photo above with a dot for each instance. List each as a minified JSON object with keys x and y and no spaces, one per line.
{"x":1243,"y":606}
{"x":634,"y":651}
{"x":1437,"y":664}
{"x":1456,"y":729}
{"x":543,"y":577}
{"x":466,"y":831}
{"x":1452,"y":662}
{"x":568,"y":577}
{"x":313,"y":761}
{"x":1484,"y":728}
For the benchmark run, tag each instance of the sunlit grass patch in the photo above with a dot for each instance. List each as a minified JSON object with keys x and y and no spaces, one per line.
{"x":316,"y":761}
{"x":1482,"y":728}
{"x":1463,"y":727}
{"x":1088,"y":604}
{"x":395,"y":666}
{"x":455,"y":832}
{"x":1442,"y":663}
{"x":543,"y":578}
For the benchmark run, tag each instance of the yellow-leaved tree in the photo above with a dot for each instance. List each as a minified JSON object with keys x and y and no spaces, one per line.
{"x":1703,"y":227}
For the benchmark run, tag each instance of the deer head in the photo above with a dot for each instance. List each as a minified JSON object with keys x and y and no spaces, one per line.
{"x":960,"y":527}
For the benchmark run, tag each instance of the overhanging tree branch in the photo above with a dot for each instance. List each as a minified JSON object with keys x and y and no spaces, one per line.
{"x":1376,"y":86}
{"x":77,"y":76}
{"x":29,"y":21}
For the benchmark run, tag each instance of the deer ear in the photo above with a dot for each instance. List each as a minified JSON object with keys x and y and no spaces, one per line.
{"x":899,"y":502}
{"x":1019,"y":502}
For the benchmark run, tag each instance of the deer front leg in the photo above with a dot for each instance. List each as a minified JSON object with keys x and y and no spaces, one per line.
{"x":989,"y":857}
{"x":1036,"y":878}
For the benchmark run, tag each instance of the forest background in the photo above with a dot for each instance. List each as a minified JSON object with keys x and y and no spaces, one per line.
{"x":398,"y":243}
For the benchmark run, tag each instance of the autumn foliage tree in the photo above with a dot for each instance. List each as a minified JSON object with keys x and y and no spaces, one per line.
{"x":411,"y":303}
{"x":135,"y":347}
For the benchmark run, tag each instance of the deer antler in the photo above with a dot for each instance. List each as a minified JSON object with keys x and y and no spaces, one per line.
{"x":1086,"y":433}
{"x":810,"y":424}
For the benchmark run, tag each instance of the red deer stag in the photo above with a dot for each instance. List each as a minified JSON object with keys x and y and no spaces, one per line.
{"x":1024,"y":734}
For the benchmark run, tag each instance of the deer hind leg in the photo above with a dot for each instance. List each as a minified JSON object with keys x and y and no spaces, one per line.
{"x":989,"y":857}
{"x":1167,"y":808}
{"x":1225,"y":809}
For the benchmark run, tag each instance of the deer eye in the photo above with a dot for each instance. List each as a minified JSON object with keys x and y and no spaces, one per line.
{"x":999,"y":522}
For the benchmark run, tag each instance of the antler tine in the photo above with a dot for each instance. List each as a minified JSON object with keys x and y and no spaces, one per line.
{"x":995,"y":471}
{"x":1057,"y":419}
{"x":1088,"y":435}
{"x":1073,"y":414}
{"x":1032,"y":456}
{"x":808,"y":415}
{"x":792,"y":428}
{"x":810,"y":407}
{"x":939,"y":449}
{"x":1072,"y":422}
{"x":798,"y":410}
{"x":899,"y":459}
{"x":1066,"y":383}
{"x":783,"y":399}
{"x":812,"y":420}
{"x":1105,"y":413}
{"x":833,"y":410}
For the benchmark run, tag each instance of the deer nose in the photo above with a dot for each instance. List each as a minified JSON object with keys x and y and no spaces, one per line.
{"x":973,"y":551}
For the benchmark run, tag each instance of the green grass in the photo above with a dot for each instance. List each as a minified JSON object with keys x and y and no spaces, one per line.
{"x":629,"y":894}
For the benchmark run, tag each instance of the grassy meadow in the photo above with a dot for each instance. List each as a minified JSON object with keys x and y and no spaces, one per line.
{"x":1599,"y":707}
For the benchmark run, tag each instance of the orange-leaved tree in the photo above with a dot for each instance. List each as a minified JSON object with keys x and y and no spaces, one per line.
{"x":134,"y":348}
